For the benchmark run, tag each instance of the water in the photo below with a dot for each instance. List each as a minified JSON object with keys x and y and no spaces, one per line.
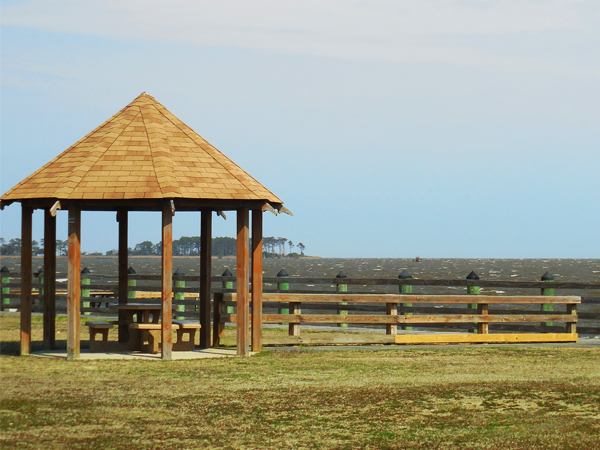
{"x":576,"y":270}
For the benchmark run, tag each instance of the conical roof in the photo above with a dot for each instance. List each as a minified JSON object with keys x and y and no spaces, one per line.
{"x":142,"y":152}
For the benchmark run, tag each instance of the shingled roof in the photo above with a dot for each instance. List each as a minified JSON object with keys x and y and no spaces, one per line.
{"x":142,"y":152}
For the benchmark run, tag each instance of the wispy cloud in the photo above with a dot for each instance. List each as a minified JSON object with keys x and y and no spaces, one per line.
{"x":408,"y":31}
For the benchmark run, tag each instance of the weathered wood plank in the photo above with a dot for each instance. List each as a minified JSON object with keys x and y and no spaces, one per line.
{"x":257,"y":284}
{"x":49,"y":280}
{"x":429,"y":282}
{"x":410,"y":298}
{"x":482,"y":327}
{"x":571,"y":326}
{"x":350,"y":339}
{"x":484,"y":338}
{"x":414,"y":319}
{"x":26,"y":252}
{"x":74,"y":283}
{"x":123,"y":216}
{"x":205,"y":273}
{"x":167,"y":283}
{"x":243,"y":282}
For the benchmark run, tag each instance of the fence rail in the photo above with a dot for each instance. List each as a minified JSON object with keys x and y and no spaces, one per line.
{"x":341,"y":309}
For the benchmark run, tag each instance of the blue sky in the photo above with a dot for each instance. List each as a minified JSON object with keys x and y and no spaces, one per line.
{"x":391,"y":129}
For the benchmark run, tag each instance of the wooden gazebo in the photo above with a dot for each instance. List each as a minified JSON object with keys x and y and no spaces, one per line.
{"x":143,"y":159}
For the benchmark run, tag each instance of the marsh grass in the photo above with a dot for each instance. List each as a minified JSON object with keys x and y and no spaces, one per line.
{"x":479,"y":397}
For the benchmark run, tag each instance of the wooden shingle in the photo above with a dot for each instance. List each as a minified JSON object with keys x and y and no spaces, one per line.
{"x":143,"y":151}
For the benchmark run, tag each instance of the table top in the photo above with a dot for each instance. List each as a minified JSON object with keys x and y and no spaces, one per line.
{"x":137,"y":306}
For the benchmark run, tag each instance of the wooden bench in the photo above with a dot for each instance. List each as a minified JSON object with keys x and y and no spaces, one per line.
{"x":186,"y":330}
{"x":101,"y":328}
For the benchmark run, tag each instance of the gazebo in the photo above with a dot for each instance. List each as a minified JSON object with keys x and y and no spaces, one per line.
{"x":143,"y":159}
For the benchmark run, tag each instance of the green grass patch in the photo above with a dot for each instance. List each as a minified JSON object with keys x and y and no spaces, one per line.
{"x":448,"y":398}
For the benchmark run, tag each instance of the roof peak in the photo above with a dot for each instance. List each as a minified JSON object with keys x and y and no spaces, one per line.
{"x":143,"y":151}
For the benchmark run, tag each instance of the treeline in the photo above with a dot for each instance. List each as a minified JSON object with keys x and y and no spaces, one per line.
{"x":184,"y":246}
{"x":221,"y":246}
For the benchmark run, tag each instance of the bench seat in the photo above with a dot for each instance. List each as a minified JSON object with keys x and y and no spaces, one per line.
{"x":101,"y":328}
{"x":150,"y":335}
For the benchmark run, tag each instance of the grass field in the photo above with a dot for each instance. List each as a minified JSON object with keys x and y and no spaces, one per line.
{"x":479,"y":398}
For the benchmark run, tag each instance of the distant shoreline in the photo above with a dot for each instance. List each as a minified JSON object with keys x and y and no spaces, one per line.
{"x":151,"y":257}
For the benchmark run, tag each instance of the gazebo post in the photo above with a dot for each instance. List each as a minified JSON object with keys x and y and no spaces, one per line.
{"x":205,"y":276}
{"x":123,"y":218}
{"x":167,"y":283}
{"x":257,"y":285}
{"x":26,"y":243}
{"x":74,"y":283}
{"x":49,"y":280}
{"x":243,"y":282}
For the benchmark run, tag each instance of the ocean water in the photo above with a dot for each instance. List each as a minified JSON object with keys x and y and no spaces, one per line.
{"x":575,"y":270}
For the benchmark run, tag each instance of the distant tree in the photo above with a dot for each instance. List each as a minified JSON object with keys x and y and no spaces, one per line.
{"x":62,"y":247}
{"x":301,"y":247}
{"x":36,"y":249}
{"x":13,"y":247}
{"x":291,"y":244}
{"x":143,"y":248}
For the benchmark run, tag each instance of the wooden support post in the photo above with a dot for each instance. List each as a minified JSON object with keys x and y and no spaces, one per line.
{"x":571,"y":327}
{"x":482,"y":328}
{"x":49,"y":280}
{"x":167,"y":283}
{"x":342,"y":288}
{"x":391,"y":309}
{"x":205,"y":276}
{"x":179,"y":282}
{"x":283,"y":286}
{"x":257,"y":277}
{"x":218,"y":327}
{"x":472,"y":290}
{"x":85,"y":293}
{"x":243,"y":282}
{"x":131,"y":282}
{"x":547,"y":277}
{"x":41,"y":287}
{"x":123,"y":218}
{"x":405,"y":289}
{"x":74,"y":283}
{"x":26,"y":247}
{"x":5,"y":288}
{"x":228,"y":285}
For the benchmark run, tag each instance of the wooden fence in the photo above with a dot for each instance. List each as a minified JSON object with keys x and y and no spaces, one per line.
{"x":384,"y":310}
{"x":98,"y":291}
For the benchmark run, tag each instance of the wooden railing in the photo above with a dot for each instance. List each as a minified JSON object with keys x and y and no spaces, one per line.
{"x":384,"y":311}
{"x":102,"y":290}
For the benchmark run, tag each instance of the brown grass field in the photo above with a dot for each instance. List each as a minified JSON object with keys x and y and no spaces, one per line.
{"x":478,"y":397}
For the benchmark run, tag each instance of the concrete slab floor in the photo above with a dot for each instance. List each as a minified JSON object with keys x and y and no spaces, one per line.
{"x":88,"y":355}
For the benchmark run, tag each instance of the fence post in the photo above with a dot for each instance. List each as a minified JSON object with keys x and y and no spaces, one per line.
{"x":228,"y":285}
{"x":5,"y":289}
{"x":283,"y":286}
{"x":473,"y":290}
{"x":342,"y":288}
{"x":405,"y":289}
{"x":547,"y":277}
{"x":179,"y":296}
{"x":85,"y":293}
{"x":41,"y":288}
{"x":218,"y":327}
{"x":131,"y":283}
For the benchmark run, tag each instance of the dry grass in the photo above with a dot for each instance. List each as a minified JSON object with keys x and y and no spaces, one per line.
{"x":480,"y":397}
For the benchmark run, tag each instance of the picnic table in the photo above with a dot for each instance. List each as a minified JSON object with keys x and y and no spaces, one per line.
{"x":142,"y":322}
